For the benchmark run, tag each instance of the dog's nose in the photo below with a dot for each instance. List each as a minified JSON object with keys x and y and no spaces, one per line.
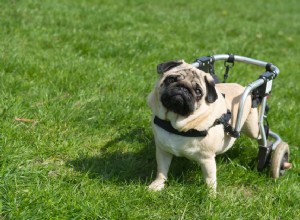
{"x":183,"y":89}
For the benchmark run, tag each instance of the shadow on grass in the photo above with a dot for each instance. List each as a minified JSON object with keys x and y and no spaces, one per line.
{"x":240,"y":154}
{"x":119,"y":165}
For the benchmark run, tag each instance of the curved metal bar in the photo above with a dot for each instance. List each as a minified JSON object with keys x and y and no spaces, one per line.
{"x":247,"y":92}
{"x":247,"y":60}
{"x":261,"y":122}
{"x":276,"y":137}
{"x":195,"y":64}
{"x":242,"y":59}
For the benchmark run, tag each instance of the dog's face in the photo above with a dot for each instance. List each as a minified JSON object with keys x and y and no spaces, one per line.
{"x":183,"y":88}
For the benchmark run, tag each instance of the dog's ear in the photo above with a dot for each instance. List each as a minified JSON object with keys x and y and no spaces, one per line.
{"x":164,"y":67}
{"x":211,"y":95}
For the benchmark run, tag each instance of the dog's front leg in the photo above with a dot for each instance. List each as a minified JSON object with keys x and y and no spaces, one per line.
{"x":163,"y":160}
{"x":209,"y":171}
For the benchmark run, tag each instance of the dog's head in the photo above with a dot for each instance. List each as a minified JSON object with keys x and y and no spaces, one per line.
{"x":183,"y":88}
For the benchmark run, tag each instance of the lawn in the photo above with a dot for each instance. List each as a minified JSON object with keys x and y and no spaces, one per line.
{"x":75,"y":134}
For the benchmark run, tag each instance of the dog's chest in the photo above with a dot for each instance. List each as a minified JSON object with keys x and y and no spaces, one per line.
{"x":215,"y":142}
{"x":179,"y":145}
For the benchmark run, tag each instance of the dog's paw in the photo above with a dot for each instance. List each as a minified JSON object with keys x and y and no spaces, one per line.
{"x":157,"y":185}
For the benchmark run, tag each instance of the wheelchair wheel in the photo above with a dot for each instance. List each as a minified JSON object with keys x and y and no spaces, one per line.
{"x":280,"y":160}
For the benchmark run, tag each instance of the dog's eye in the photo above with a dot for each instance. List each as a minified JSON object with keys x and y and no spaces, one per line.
{"x":171,"y":79}
{"x":198,"y":92}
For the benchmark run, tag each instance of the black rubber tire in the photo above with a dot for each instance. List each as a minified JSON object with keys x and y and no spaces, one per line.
{"x":280,"y":155}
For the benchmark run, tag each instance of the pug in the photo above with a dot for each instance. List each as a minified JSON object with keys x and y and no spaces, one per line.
{"x":193,"y":117}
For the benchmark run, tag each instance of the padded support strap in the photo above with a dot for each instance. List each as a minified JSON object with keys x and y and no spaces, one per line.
{"x":224,"y":120}
{"x":166,"y":125}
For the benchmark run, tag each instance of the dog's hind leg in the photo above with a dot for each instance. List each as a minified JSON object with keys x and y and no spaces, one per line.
{"x":251,"y":126}
{"x":163,"y":160}
{"x":209,"y":171}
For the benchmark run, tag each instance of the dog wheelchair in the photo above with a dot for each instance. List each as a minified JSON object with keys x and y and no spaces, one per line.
{"x":273,"y":151}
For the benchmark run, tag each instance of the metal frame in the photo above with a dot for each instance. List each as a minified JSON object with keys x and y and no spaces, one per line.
{"x":265,"y":79}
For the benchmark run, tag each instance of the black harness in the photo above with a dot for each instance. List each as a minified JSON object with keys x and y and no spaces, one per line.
{"x":224,"y":120}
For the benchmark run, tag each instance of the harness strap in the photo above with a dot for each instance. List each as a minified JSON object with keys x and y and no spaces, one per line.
{"x":166,"y":125}
{"x":224,"y":119}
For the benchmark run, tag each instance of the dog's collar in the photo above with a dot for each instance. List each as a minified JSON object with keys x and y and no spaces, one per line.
{"x":224,"y":119}
{"x":166,"y":125}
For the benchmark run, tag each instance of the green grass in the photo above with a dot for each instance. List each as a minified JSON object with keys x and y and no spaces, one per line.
{"x":82,"y":71}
